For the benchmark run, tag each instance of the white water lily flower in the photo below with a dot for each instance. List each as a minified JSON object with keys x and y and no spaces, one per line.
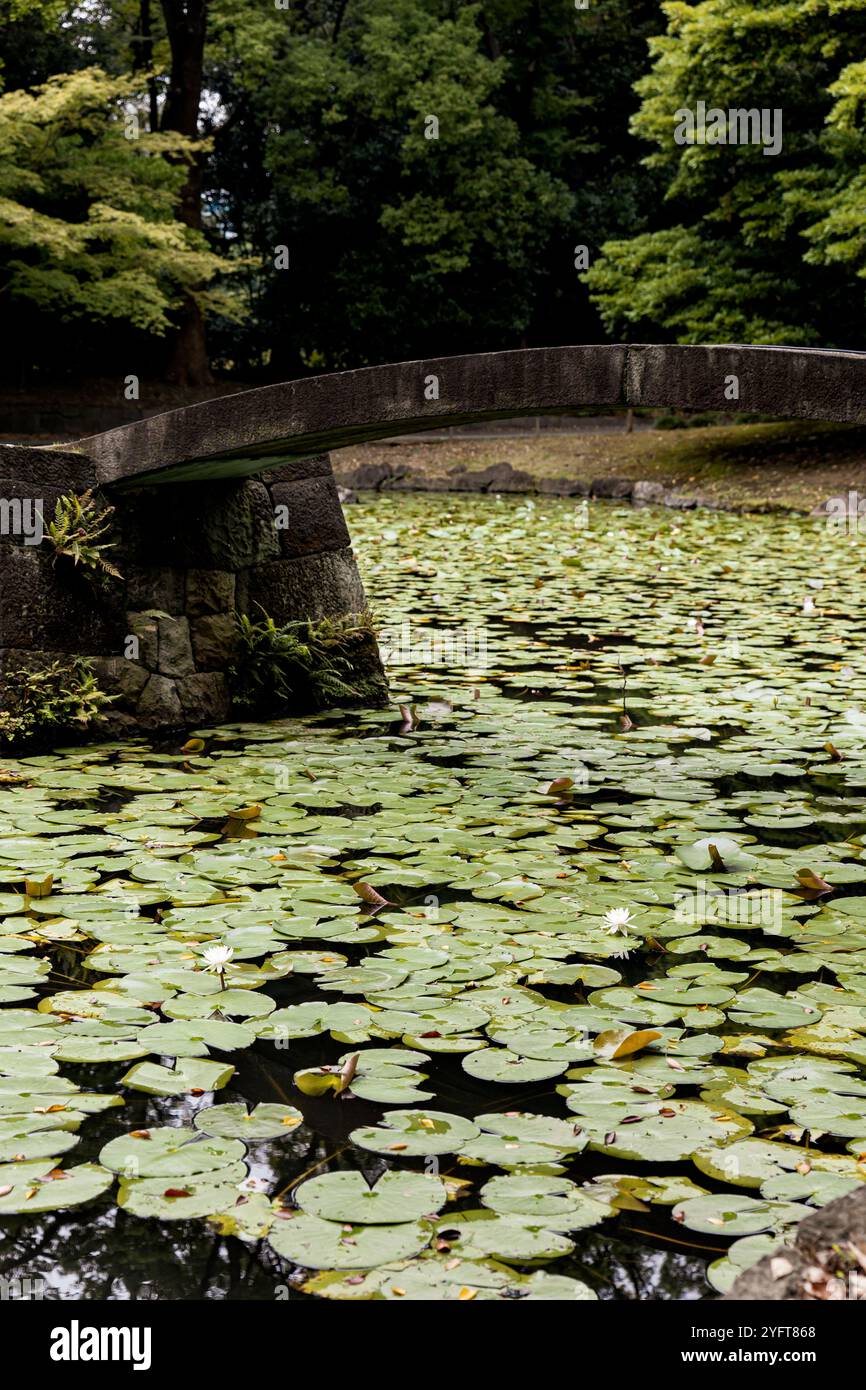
{"x":616,"y":920}
{"x":218,"y":957}
{"x":622,"y":954}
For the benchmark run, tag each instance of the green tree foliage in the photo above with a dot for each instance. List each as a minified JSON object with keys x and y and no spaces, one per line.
{"x":834,"y":193}
{"x":87,"y":225}
{"x":34,"y":43}
{"x":408,"y":238}
{"x":460,"y":212}
{"x":752,"y":248}
{"x":313,"y":134}
{"x":430,"y":167}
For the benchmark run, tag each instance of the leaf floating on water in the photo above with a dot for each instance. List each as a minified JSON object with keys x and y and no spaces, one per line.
{"x":233,"y":1121}
{"x":350,"y":1066}
{"x":317,"y":1081}
{"x":57,"y":1190}
{"x":319,"y":1244}
{"x":368,"y":894}
{"x":623,"y":1042}
{"x":738,"y":1215}
{"x":39,"y":887}
{"x":495,"y":944}
{"x":814,"y":884}
{"x":394,"y":1198}
{"x":558,"y":786}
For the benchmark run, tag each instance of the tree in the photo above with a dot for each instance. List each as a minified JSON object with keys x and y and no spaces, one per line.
{"x":409,"y":237}
{"x":753,"y":248}
{"x":429,"y":167}
{"x":87,"y":214}
{"x":186,"y":27}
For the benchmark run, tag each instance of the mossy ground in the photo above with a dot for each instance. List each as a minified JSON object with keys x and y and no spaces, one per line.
{"x":751,"y":466}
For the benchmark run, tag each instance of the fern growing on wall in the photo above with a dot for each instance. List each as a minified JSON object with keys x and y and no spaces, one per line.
{"x":51,"y":699}
{"x":76,"y":529}
{"x":303,"y":665}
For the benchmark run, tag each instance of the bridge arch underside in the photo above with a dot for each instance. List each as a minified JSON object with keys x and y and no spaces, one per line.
{"x":245,"y":434}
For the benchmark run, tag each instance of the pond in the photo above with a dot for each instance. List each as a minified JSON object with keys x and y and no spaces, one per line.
{"x":549,"y":981}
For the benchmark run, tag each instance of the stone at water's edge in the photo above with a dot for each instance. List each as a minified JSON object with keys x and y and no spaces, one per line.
{"x":819,"y":1263}
{"x":191,"y":557}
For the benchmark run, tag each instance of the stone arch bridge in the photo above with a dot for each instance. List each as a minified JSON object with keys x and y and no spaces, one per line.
{"x":230,"y":507}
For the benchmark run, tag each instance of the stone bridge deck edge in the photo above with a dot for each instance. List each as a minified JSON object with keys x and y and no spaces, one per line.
{"x":246,"y":433}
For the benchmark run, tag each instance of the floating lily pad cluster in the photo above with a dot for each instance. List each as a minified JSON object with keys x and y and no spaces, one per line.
{"x":602,"y":894}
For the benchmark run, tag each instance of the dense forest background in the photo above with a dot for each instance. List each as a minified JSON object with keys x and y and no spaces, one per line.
{"x":258,"y":188}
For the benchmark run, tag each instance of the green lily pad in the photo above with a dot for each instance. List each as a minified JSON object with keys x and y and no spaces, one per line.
{"x":814,"y":1187}
{"x":319,"y":1244}
{"x":394,"y":1198}
{"x":249,"y":1218}
{"x":750,"y":1162}
{"x":483,"y":1233}
{"x":169,"y":1152}
{"x":265,"y":1121}
{"x":740,"y":1216}
{"x":446,"y":1280}
{"x":673,"y":1132}
{"x":188,"y":1075}
{"x":556,"y":1202}
{"x":57,"y":1190}
{"x":507,"y":1068}
{"x":742,"y":1255}
{"x":181,"y":1199}
{"x":416,"y":1134}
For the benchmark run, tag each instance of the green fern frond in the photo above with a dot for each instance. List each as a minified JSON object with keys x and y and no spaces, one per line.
{"x":77,"y":526}
{"x":303,"y":665}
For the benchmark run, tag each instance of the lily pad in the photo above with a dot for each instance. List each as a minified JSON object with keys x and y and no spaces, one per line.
{"x":58,"y":1189}
{"x":169,"y":1152}
{"x":395,"y":1197}
{"x":482,"y":1233}
{"x":265,"y":1121}
{"x":319,"y":1244}
{"x":739,"y":1216}
{"x":416,"y":1134}
{"x":556,"y":1202}
{"x":189,"y":1075}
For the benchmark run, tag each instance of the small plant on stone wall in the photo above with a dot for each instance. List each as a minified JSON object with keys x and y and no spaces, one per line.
{"x":303,"y":665}
{"x":60,"y":697}
{"x":77,"y":526}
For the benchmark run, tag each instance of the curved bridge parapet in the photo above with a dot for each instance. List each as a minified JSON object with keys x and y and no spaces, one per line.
{"x":240,"y":435}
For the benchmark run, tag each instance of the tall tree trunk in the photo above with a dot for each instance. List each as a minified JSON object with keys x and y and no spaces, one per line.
{"x":186,"y":25}
{"x":142,"y":59}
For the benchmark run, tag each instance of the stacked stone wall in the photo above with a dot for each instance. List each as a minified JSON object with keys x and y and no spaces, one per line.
{"x":192,"y":556}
